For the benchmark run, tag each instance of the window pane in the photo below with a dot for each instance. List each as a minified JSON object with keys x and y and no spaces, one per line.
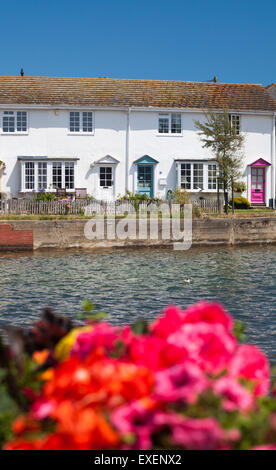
{"x":163,"y":127}
{"x":212,"y":177}
{"x":74,"y":121}
{"x":29,"y":175}
{"x":185,"y":177}
{"x":105,"y":176}
{"x":235,"y":122}
{"x":42,"y":175}
{"x":57,"y":175}
{"x":21,"y":121}
{"x":69,"y":175}
{"x":87,"y":122}
{"x":8,"y":122}
{"x":176,"y":124}
{"x":198,"y":176}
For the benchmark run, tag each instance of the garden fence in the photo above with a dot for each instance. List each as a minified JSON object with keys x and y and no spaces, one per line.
{"x":88,"y":207}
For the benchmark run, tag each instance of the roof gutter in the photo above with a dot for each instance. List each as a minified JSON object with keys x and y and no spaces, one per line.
{"x":160,"y":109}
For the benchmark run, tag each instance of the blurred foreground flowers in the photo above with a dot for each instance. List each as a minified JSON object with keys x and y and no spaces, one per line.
{"x":183,"y":382}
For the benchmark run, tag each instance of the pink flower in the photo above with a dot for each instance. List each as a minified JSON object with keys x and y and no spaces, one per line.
{"x":250,"y":363}
{"x":155,"y":353}
{"x":190,"y":433}
{"x":235,"y":396}
{"x":168,"y":323}
{"x":265,"y":447}
{"x":43,"y":409}
{"x":211,"y":346}
{"x":134,"y":419}
{"x":180,"y":382}
{"x":102,"y":335}
{"x":209,"y":313}
{"x":174,"y":318}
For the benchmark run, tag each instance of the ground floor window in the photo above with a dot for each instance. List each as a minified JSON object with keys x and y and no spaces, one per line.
{"x":197,"y":176}
{"x":106,"y":176}
{"x":29,"y":175}
{"x":37,"y":175}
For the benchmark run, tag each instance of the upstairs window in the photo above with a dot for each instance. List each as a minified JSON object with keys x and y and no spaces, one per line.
{"x":235,"y":122}
{"x":169,"y":123}
{"x":81,"y":121}
{"x":14,"y":121}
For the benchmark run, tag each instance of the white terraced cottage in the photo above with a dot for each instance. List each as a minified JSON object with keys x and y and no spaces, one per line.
{"x":112,"y":135}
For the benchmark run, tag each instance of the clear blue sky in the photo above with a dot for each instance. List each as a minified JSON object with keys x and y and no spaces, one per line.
{"x":151,"y":39}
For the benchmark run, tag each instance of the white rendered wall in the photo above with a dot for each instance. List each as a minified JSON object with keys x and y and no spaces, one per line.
{"x":48,"y":135}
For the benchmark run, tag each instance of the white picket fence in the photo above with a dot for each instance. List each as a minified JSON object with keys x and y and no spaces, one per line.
{"x":91,"y":207}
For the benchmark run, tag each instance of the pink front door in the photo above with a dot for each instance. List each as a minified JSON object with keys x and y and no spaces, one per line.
{"x":257,"y":184}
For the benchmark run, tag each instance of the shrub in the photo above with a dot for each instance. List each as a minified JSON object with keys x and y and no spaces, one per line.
{"x":240,"y":203}
{"x":183,"y":381}
{"x":181,"y":196}
{"x":45,"y":196}
{"x":239,"y":187}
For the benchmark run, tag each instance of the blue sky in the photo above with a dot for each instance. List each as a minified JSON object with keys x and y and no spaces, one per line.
{"x":151,"y":39}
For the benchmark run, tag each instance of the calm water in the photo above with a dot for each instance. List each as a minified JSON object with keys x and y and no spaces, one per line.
{"x":130,"y":284}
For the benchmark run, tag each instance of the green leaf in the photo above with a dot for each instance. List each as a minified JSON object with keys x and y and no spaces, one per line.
{"x":239,"y":329}
{"x":87,"y":306}
{"x":140,"y":327}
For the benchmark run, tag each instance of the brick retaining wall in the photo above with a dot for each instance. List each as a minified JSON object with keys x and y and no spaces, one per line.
{"x":15,"y":239}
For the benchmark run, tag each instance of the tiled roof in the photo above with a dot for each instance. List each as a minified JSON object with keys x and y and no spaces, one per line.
{"x":272,"y":90}
{"x":139,"y":93}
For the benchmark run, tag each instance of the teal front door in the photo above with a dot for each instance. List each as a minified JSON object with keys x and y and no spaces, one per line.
{"x":145,"y":180}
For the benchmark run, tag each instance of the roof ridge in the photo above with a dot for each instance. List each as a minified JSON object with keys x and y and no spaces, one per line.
{"x":133,"y":80}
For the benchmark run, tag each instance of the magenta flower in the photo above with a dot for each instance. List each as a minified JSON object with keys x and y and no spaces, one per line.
{"x":102,"y":335}
{"x":190,"y":433}
{"x":250,"y":363}
{"x":182,"y":382}
{"x":234,"y":395}
{"x":211,"y":346}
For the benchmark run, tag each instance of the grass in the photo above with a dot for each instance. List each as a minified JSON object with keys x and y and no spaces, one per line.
{"x":42,"y":217}
{"x":238,"y":213}
{"x":247,"y":213}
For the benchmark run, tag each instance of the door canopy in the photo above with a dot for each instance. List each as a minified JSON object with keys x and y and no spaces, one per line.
{"x":107,"y":160}
{"x":146,"y":160}
{"x":260,"y":162}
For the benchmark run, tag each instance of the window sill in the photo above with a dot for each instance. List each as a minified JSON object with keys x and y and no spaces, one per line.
{"x":87,"y":134}
{"x":169,"y":135}
{"x":197,"y":191}
{"x":14,"y":133}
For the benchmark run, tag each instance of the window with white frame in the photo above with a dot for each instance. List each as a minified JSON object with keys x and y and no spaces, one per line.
{"x":37,"y":175}
{"x":81,"y":122}
{"x":14,"y":121}
{"x":196,"y":176}
{"x":29,"y":175}
{"x":106,"y":176}
{"x":42,"y":175}
{"x":185,"y":176}
{"x":212,"y":176}
{"x":57,"y":174}
{"x":235,"y":122}
{"x":69,"y":175}
{"x":169,"y":123}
